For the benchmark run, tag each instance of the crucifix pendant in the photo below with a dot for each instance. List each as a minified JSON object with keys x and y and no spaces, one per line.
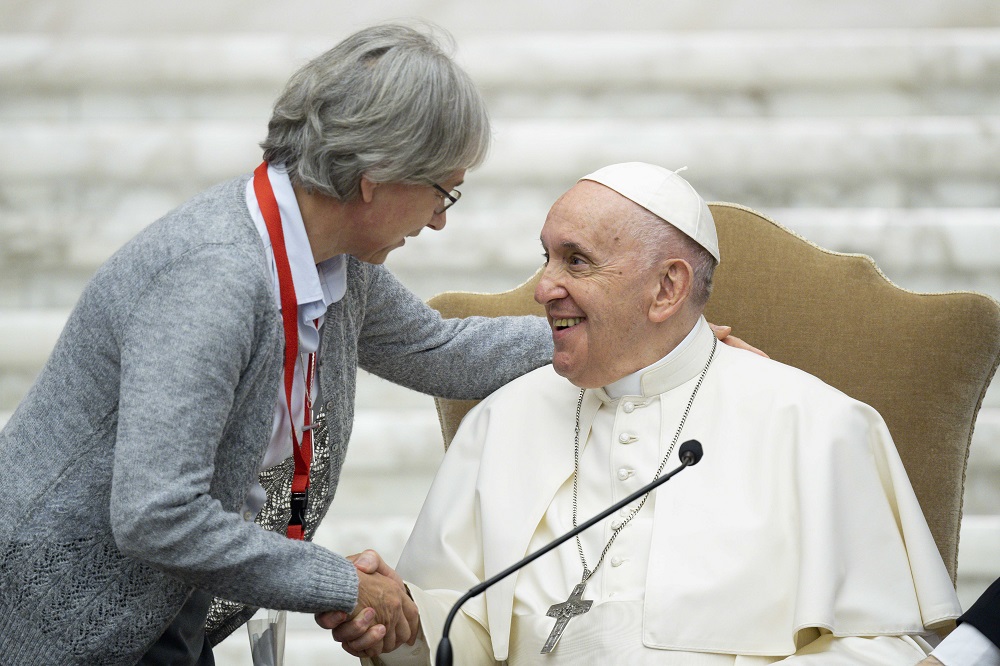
{"x":565,"y":612}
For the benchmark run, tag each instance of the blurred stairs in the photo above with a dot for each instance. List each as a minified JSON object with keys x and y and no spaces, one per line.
{"x":880,"y":141}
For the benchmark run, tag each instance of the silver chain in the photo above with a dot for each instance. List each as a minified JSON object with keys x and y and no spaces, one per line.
{"x":587,"y":572}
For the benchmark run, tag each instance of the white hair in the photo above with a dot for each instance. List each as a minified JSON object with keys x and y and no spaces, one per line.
{"x":661,"y":241}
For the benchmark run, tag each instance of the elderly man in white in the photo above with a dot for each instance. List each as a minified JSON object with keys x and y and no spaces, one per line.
{"x":797,"y":539}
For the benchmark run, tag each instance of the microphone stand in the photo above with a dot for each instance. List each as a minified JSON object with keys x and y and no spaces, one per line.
{"x":690,"y":453}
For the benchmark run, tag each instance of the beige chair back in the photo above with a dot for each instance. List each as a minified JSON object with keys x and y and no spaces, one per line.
{"x":924,"y":361}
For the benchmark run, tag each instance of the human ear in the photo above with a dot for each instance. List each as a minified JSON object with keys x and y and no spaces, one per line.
{"x":367,"y":188}
{"x":673,"y":288}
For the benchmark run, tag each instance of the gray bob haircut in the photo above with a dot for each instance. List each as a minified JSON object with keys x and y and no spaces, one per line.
{"x":387,"y":103}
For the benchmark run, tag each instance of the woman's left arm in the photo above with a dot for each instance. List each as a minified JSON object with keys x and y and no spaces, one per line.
{"x":404,"y":340}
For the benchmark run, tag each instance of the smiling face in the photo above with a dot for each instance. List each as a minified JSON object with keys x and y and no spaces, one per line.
{"x":597,"y":288}
{"x":397,"y":211}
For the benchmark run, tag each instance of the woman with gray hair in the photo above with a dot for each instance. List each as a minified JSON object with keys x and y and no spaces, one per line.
{"x":203,"y":387}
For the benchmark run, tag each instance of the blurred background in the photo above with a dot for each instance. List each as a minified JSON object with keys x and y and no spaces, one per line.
{"x":867,"y":126}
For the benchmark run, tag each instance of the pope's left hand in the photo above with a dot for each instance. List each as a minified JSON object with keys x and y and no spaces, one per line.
{"x":724,"y":333}
{"x":930,"y":661}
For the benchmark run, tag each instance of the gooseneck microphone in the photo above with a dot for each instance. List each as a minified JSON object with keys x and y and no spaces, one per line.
{"x":689,"y":454}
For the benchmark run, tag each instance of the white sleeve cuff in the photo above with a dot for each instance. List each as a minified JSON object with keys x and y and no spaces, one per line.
{"x":967,"y":647}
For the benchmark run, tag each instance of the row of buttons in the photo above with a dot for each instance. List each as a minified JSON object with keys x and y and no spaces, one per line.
{"x":627,"y":438}
{"x":624,"y":474}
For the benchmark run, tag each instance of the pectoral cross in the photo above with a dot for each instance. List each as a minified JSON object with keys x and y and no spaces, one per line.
{"x":565,"y":612}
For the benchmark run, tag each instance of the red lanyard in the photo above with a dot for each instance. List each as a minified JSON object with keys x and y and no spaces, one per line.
{"x":290,"y":318}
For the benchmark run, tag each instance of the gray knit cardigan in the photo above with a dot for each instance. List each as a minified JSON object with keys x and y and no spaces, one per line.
{"x":123,"y":470}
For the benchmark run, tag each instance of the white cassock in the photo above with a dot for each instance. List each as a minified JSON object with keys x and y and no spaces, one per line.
{"x":797,"y":536}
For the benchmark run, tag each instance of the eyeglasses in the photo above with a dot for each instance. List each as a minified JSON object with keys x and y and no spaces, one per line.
{"x":449,"y":200}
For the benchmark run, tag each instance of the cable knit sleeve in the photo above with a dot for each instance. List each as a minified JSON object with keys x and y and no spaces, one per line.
{"x":407,"y":342}
{"x":186,"y":344}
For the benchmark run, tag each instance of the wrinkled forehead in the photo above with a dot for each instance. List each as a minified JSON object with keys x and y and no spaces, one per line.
{"x":590,"y":214}
{"x":593,"y":202}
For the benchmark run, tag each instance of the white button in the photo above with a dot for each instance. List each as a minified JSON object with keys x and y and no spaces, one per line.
{"x":629,"y":407}
{"x":623,"y":512}
{"x":248,"y":516}
{"x":624,"y":473}
{"x":616,"y":523}
{"x":616,"y":561}
{"x":625,"y":438}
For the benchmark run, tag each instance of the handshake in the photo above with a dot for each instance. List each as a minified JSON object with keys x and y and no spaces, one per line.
{"x":385,"y":616}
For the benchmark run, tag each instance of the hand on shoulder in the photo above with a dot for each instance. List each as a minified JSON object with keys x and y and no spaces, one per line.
{"x":725,"y":336}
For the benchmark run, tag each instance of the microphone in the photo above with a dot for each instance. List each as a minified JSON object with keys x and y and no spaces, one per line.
{"x":689,"y":454}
